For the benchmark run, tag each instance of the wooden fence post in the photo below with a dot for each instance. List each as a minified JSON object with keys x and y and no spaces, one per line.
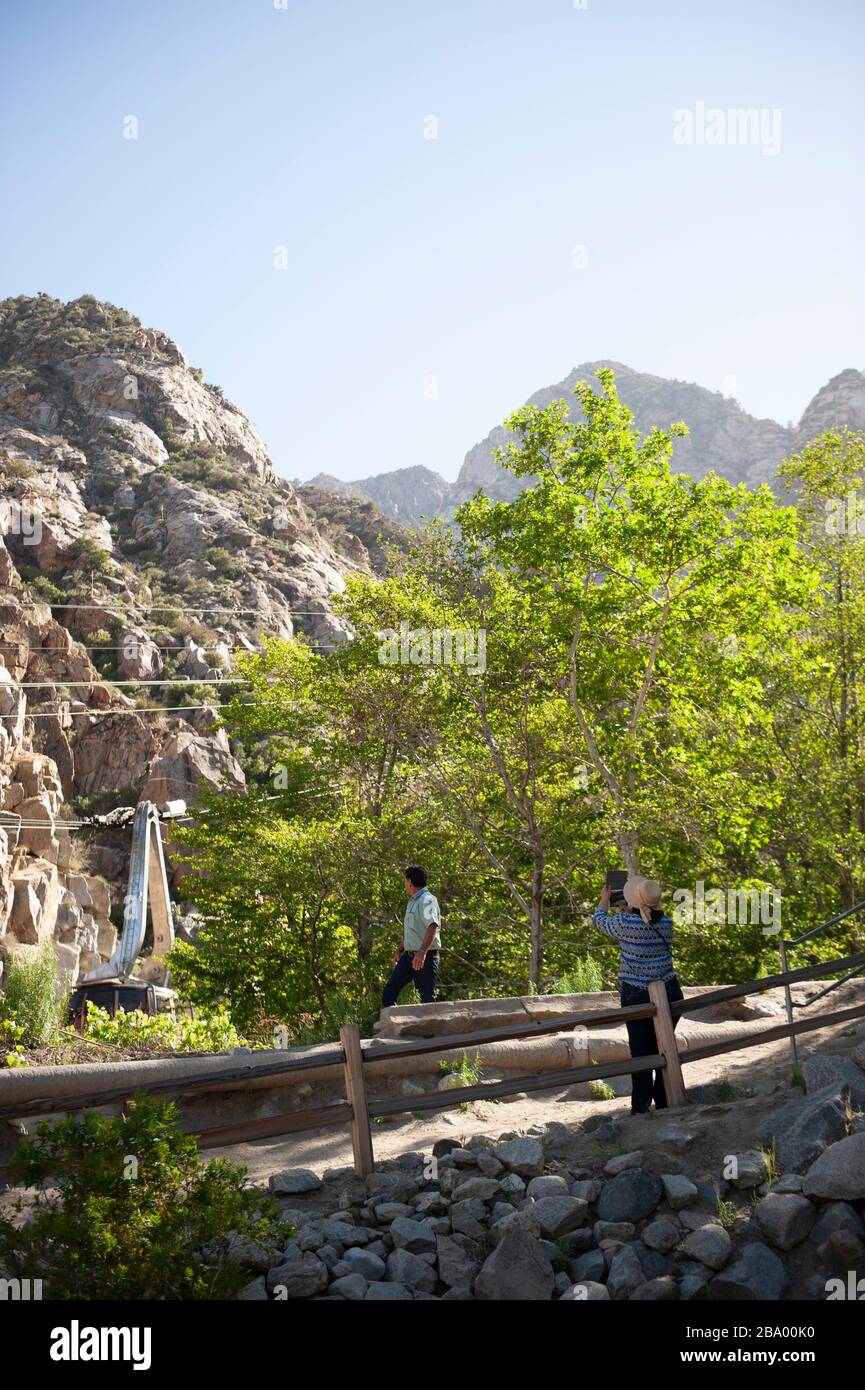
{"x":674,"y":1084}
{"x":355,"y":1091}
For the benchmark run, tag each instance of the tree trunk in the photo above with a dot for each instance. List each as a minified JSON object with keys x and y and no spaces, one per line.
{"x":629,"y":848}
{"x":537,"y":920}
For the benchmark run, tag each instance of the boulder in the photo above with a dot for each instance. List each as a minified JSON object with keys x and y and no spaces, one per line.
{"x":839,"y":1173}
{"x":458,"y":1261}
{"x":301,"y":1277}
{"x":631,"y":1196}
{"x":525,"y":1157}
{"x":804,"y":1127}
{"x":410,"y":1270}
{"x":711,"y":1245}
{"x":785,"y":1219}
{"x":292,"y":1181}
{"x":587,"y":1291}
{"x":625,"y":1273}
{"x":518,"y":1270}
{"x":556,"y":1215}
{"x":758,"y":1274}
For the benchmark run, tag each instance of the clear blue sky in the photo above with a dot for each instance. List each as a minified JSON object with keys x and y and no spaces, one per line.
{"x":303,"y":127}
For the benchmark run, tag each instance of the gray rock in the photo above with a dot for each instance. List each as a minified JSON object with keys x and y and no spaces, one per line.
{"x":389,"y":1211}
{"x":558,"y":1215}
{"x":711,"y":1245}
{"x":444,"y":1146}
{"x":391,"y":1187}
{"x":489,"y":1165}
{"x":587,"y":1189}
{"x":625,"y":1273}
{"x":839,"y":1173}
{"x":391,"y":1292}
{"x":694,"y":1219}
{"x":785,"y":1219}
{"x":365,"y":1262}
{"x":549,"y":1185}
{"x":591,"y":1266}
{"x":517,"y":1270}
{"x":430,"y":1204}
{"x":837,"y":1216}
{"x":757,"y":1275}
{"x":652,"y":1262}
{"x":662,"y":1234}
{"x":821,"y":1072}
{"x":412,"y":1236}
{"x":663,"y":1289}
{"x":621,"y":1162}
{"x":586,"y":1291}
{"x":484,"y":1189}
{"x":803,"y":1127}
{"x":298,"y":1278}
{"x":692,"y":1286}
{"x":525,"y":1157}
{"x":750,"y":1169}
{"x":630,"y":1196}
{"x":679,"y":1190}
{"x":405,"y":1268}
{"x":293,"y":1181}
{"x":254,"y":1292}
{"x":842,"y":1251}
{"x":613,"y":1230}
{"x":458,"y":1261}
{"x":350,"y":1286}
{"x":512,"y":1185}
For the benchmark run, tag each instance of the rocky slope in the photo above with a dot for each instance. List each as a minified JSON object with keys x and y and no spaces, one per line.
{"x":723,"y":438}
{"x":666,"y":1207}
{"x":144,"y":537}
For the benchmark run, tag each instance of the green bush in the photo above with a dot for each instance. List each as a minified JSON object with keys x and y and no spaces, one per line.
{"x":130,"y":1213}
{"x":137,"y":1031}
{"x":33,"y":1006}
{"x":584,"y":977}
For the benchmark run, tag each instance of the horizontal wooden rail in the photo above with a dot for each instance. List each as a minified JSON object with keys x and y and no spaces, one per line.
{"x":198,"y":1085}
{"x":790,"y":977}
{"x":784,"y":1030}
{"x":490,"y":1090}
{"x":274,"y":1125}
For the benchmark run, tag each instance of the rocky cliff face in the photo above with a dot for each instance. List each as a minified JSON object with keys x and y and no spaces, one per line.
{"x":723,"y":438}
{"x":144,"y":539}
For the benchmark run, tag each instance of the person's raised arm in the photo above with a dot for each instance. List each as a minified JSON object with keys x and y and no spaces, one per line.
{"x":605,"y":920}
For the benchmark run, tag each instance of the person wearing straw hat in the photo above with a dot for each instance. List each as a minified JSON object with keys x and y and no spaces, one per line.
{"x":645,"y":936}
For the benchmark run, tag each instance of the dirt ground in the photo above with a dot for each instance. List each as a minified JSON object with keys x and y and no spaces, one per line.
{"x":760,"y":1077}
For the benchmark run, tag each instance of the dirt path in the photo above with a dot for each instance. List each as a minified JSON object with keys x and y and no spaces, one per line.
{"x":760,"y":1075}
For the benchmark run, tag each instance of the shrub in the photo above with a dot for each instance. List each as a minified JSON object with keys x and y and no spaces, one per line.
{"x":89,"y":557}
{"x":130,"y":1213}
{"x":584,"y":977}
{"x":137,"y":1031}
{"x":32,"y":999}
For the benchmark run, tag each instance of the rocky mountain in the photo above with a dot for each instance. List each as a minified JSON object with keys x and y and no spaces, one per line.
{"x":405,"y":495}
{"x":723,"y":438}
{"x":144,"y":539}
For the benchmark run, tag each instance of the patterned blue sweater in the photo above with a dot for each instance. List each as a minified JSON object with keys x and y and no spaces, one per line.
{"x":645,"y":951}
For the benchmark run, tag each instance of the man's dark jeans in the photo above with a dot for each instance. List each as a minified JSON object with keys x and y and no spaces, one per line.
{"x":403,"y":974}
{"x":641,"y":1036}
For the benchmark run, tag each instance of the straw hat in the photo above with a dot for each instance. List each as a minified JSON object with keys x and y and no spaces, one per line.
{"x":641,"y":895}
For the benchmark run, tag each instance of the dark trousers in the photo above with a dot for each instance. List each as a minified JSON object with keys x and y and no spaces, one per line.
{"x":403,"y":974}
{"x":646,"y":1086}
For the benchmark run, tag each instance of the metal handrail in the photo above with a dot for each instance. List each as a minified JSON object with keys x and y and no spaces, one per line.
{"x":815,"y":931}
{"x":784,"y":942}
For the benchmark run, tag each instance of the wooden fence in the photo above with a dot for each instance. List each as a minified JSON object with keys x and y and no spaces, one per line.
{"x":353,"y":1055}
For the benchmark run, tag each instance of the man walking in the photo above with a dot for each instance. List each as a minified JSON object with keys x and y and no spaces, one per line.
{"x":417,"y":960}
